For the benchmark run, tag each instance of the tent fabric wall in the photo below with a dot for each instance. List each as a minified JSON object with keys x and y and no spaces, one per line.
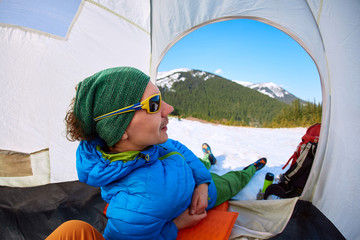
{"x":336,"y":190}
{"x":39,"y":72}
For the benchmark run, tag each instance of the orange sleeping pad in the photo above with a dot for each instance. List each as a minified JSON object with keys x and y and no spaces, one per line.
{"x":216,"y":226}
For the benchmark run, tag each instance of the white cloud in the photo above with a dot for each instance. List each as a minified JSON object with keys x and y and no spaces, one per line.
{"x":218,"y":71}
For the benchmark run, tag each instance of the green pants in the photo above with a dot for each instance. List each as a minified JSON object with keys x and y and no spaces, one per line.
{"x":229,"y":184}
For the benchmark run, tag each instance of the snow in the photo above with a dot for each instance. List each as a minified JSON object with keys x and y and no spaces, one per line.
{"x":244,"y":83}
{"x":202,"y":73}
{"x":167,"y":79}
{"x":268,"y":88}
{"x":237,"y":147}
{"x":168,"y":73}
{"x":263,"y":91}
{"x":277,"y":90}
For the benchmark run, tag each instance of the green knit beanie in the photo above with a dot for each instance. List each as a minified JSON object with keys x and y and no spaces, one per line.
{"x":104,"y":92}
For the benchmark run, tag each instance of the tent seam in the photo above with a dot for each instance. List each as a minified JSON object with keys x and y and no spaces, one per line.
{"x":319,"y":13}
{"x":31,"y":30}
{"x":80,"y":7}
{"x":118,"y":15}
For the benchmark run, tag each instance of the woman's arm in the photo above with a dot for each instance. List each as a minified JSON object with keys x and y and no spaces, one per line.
{"x":200,"y":198}
{"x":186,"y":219}
{"x":200,"y":173}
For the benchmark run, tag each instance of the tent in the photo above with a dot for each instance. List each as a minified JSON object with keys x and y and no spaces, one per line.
{"x":40,"y":69}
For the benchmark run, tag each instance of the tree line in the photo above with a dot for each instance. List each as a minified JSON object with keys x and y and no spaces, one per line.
{"x":297,"y":115}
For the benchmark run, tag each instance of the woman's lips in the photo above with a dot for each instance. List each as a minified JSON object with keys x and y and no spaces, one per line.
{"x":163,"y":126}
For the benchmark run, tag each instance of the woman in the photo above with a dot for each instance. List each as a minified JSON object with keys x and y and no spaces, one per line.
{"x":155,"y":186}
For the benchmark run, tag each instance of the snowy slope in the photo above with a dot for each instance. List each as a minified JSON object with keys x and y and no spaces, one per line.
{"x":237,"y":147}
{"x":167,"y":74}
{"x":270,"y":89}
{"x":167,"y":79}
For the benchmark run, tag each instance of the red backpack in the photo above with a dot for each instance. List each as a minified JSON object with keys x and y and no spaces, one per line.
{"x":312,"y":135}
{"x":292,"y":182}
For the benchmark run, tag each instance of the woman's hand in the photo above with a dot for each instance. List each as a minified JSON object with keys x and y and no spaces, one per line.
{"x":199,"y":201}
{"x":186,"y":220}
{"x":193,"y":215}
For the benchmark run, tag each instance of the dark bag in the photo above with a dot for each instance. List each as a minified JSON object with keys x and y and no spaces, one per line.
{"x":292,"y":182}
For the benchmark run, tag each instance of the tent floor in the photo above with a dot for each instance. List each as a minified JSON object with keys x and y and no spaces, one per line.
{"x":34,"y":212}
{"x":308,"y":222}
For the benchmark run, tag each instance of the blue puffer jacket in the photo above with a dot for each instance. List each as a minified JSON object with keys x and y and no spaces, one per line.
{"x":146,"y":193}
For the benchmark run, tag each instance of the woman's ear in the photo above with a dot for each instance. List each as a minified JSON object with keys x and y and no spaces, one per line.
{"x":125,"y":136}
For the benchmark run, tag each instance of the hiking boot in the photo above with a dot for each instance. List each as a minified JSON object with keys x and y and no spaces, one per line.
{"x":212,"y":159}
{"x":207,"y":150}
{"x":259,"y":164}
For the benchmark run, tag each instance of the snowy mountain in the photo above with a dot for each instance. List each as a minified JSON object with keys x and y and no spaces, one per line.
{"x":217,"y":98}
{"x":272,"y":90}
{"x":167,"y":79}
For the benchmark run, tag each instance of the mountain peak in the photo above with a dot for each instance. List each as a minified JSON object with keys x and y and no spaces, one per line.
{"x":167,"y":79}
{"x":168,"y":73}
{"x":272,"y":90}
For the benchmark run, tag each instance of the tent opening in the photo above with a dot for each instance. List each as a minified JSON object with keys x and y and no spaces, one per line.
{"x":244,"y":73}
{"x":254,"y":55}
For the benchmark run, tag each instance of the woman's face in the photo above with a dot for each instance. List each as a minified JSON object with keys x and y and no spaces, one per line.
{"x":147,"y":129}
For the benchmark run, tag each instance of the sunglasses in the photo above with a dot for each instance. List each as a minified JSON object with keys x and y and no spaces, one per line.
{"x":151,"y":104}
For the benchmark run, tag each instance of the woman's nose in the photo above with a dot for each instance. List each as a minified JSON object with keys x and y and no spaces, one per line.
{"x":166,"y":109}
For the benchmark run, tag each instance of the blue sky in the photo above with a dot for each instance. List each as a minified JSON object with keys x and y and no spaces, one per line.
{"x":247,"y":50}
{"x":53,"y":16}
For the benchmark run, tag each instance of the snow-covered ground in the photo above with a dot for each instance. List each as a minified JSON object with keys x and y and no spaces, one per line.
{"x":237,"y":147}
